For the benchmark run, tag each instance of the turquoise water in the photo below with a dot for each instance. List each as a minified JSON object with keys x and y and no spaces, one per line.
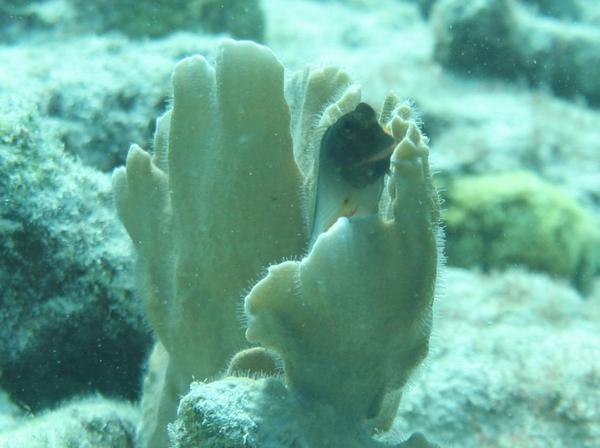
{"x":119,"y":290}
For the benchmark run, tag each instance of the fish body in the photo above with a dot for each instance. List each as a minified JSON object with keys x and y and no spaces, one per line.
{"x":354,"y":157}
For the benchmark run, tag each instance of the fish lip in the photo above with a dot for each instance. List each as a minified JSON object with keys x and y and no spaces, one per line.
{"x":385,"y":153}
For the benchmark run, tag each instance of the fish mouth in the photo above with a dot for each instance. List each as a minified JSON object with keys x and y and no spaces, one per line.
{"x":380,"y":155}
{"x":385,"y":153}
{"x":370,"y":169}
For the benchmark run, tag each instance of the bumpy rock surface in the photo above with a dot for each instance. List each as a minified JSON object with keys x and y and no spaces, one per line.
{"x":22,"y":20}
{"x":499,"y":38}
{"x":69,"y":320}
{"x":497,"y":221}
{"x":91,"y":423}
{"x":97,"y":94}
{"x":564,"y":9}
{"x":248,"y":413}
{"x":233,"y":413}
{"x":242,"y":19}
{"x":515,"y":362}
{"x":476,"y":126}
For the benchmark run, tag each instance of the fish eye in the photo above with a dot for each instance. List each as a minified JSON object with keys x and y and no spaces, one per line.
{"x":347,"y":127}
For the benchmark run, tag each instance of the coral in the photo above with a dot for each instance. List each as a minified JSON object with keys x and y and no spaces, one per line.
{"x":65,"y":271}
{"x":425,"y":6}
{"x":254,"y":361}
{"x":39,"y":20}
{"x":10,"y":413}
{"x":236,"y":413}
{"x":247,"y":413}
{"x":9,"y":10}
{"x":501,"y":38}
{"x":496,"y":221}
{"x":351,"y":320}
{"x":240,"y":18}
{"x":197,"y":211}
{"x":88,"y":95}
{"x":515,"y":363}
{"x":233,"y":187}
{"x":90,"y":423}
{"x":475,"y":37}
{"x":565,"y":9}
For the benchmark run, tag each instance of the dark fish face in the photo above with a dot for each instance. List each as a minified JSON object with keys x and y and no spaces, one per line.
{"x":358,"y":147}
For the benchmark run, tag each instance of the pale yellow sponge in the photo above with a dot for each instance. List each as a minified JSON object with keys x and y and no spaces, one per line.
{"x":352,"y":319}
{"x":248,"y":171}
{"x":219,"y":200}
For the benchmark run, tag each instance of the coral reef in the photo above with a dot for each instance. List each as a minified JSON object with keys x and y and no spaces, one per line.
{"x":513,"y":357}
{"x":501,"y":38}
{"x":515,"y":362}
{"x":565,"y":9}
{"x":65,"y":272}
{"x":360,"y":302}
{"x":184,"y":224}
{"x":425,"y":6}
{"x":86,"y":92}
{"x":232,"y":123}
{"x":11,"y":29}
{"x":497,"y":221}
{"x":239,"y":18}
{"x":9,"y":413}
{"x":32,"y":20}
{"x":90,"y":423}
{"x":248,"y":413}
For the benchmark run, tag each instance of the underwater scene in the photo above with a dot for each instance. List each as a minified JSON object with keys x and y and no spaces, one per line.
{"x":299,"y":223}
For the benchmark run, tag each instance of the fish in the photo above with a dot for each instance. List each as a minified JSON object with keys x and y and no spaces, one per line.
{"x":354,"y":156}
{"x":358,"y":147}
